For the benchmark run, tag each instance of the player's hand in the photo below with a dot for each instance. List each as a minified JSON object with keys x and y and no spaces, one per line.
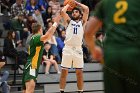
{"x":77,"y":3}
{"x":97,"y":53}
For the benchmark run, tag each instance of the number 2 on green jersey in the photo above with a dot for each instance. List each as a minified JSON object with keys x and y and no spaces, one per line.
{"x":122,"y":7}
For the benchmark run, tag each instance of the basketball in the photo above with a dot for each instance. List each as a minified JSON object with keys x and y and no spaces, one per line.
{"x":71,"y":3}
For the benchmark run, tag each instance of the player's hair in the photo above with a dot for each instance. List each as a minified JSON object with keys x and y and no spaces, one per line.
{"x":35,"y":28}
{"x":78,"y":9}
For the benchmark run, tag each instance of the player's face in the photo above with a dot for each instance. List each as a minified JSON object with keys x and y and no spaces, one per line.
{"x":75,"y":15}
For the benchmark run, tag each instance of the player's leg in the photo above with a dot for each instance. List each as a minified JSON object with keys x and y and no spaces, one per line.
{"x":28,"y":81}
{"x":80,"y":84}
{"x":65,"y":64}
{"x":78,"y":63}
{"x":23,"y":80}
{"x":63,"y":78}
{"x":30,"y":86}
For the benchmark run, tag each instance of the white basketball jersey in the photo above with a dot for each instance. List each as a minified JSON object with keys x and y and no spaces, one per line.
{"x":74,"y":34}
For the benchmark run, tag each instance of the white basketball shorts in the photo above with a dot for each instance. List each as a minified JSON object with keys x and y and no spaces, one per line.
{"x":72,"y":57}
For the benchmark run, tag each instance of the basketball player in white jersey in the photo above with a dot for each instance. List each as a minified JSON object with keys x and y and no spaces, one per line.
{"x":72,"y":51}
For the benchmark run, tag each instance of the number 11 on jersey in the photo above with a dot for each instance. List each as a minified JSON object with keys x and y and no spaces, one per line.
{"x":75,"y":30}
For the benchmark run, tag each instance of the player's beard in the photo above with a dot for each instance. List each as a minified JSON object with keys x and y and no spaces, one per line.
{"x":75,"y":18}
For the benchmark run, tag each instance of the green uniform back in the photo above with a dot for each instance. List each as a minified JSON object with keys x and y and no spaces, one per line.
{"x":33,"y":60}
{"x":35,"y":51}
{"x":121,"y":22}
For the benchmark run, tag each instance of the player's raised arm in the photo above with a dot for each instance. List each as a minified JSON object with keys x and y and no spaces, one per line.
{"x":92,"y":26}
{"x":51,"y":30}
{"x":85,"y":11}
{"x":64,"y":14}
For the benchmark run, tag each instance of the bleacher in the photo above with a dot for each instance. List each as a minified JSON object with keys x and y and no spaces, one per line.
{"x":93,"y":80}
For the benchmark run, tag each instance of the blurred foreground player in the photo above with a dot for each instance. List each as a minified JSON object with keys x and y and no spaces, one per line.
{"x":120,"y":19}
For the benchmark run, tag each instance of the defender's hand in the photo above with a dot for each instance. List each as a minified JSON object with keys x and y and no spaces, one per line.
{"x":97,"y":53}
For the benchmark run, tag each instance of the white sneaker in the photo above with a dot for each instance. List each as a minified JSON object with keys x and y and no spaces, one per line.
{"x":58,"y":72}
{"x":47,"y":73}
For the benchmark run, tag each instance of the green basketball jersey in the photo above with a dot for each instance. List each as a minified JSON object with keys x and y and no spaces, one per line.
{"x":35,"y":51}
{"x":121,"y":22}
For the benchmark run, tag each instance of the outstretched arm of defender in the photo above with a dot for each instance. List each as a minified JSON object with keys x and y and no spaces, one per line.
{"x":85,"y":11}
{"x":64,"y":14}
{"x":51,"y":30}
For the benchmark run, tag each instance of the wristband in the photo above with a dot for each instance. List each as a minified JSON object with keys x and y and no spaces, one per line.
{"x":55,"y":24}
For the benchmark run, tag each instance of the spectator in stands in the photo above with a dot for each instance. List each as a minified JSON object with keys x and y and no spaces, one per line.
{"x":32,"y":6}
{"x":12,"y":1}
{"x":49,"y":58}
{"x":5,"y":6}
{"x":19,"y":25}
{"x":30,"y":21}
{"x":38,"y":17}
{"x":26,"y":2}
{"x":12,"y":48}
{"x":3,"y":80}
{"x":54,"y":48}
{"x":10,"y":44}
{"x":17,"y":8}
{"x":55,"y":4}
{"x":60,"y":42}
{"x":43,"y":5}
{"x":48,"y":15}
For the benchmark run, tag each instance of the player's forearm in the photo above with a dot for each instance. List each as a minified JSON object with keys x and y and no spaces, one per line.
{"x":49,"y":33}
{"x":84,"y":7}
{"x":89,"y":39}
{"x":93,"y":25}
